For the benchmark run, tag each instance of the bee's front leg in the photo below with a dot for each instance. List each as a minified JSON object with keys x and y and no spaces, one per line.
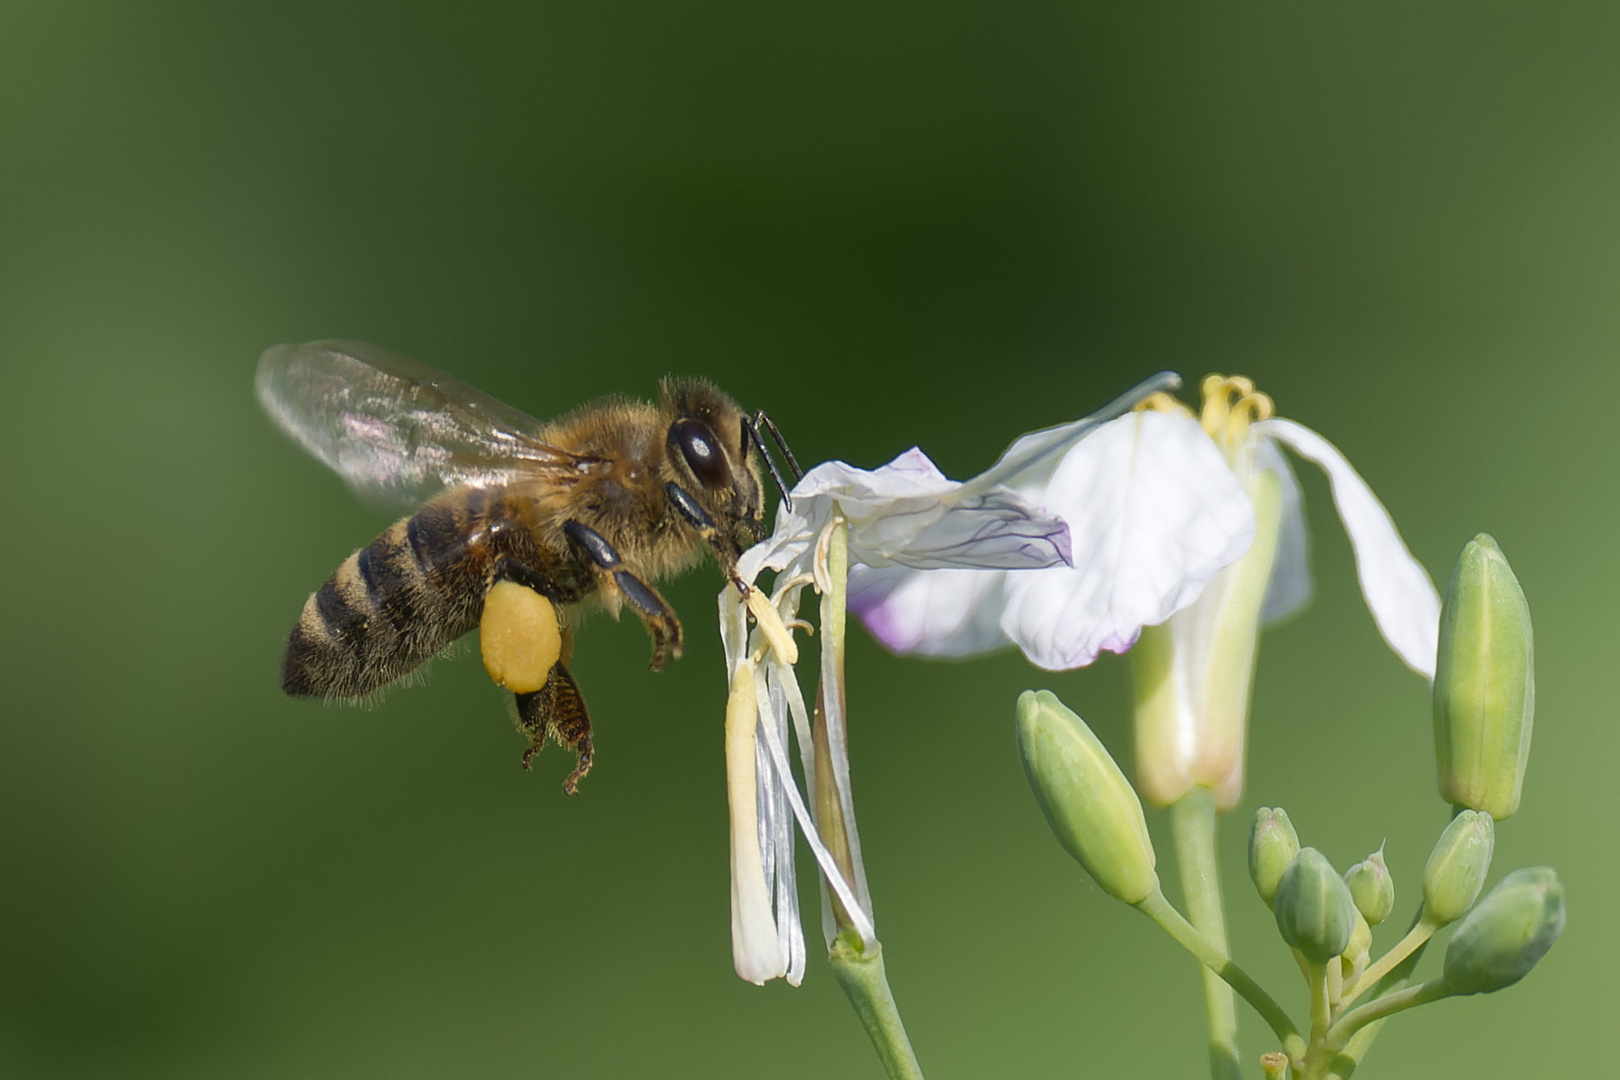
{"x":656,"y":614}
{"x":694,"y":514}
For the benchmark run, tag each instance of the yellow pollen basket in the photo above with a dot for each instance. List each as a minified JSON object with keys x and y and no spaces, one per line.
{"x":1231,"y":404}
{"x":519,"y":637}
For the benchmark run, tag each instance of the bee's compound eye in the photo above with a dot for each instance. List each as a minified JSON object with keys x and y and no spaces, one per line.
{"x":701,"y":450}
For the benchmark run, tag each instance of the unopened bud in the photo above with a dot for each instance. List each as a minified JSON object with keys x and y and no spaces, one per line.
{"x":1510,"y":930}
{"x":1313,"y":907}
{"x":1457,"y":867}
{"x":1372,"y":888}
{"x":1272,"y":846}
{"x":1355,"y":956}
{"x":1086,"y":799}
{"x":1484,"y":683}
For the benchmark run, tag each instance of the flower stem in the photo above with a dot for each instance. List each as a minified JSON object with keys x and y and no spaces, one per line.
{"x":1157,"y":908}
{"x":1345,"y":1062}
{"x":1324,"y":1053}
{"x":1192,"y":822}
{"x":1316,"y":976}
{"x":1421,"y":932}
{"x":858,"y":965}
{"x":864,"y":979}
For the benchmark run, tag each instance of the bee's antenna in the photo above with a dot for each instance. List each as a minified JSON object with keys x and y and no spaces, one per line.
{"x":752,"y":427}
{"x":769,"y":425}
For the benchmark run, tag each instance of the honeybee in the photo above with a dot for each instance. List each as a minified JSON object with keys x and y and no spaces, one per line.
{"x":541,"y":517}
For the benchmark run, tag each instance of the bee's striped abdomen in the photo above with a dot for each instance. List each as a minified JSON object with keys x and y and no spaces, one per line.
{"x":388,"y":608}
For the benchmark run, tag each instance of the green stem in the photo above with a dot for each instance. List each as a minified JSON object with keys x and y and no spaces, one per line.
{"x":1345,"y":1062}
{"x":860,"y":970}
{"x":1212,"y":956}
{"x":1316,"y":977}
{"x":864,"y":979}
{"x":1353,"y":1021}
{"x":1192,"y":822}
{"x":1421,"y":932}
{"x":1355,"y":1051}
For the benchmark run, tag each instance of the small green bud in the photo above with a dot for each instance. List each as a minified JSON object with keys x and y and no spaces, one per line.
{"x":1355,"y":955}
{"x":1457,"y":867}
{"x":1484,"y":683}
{"x":1086,"y":799}
{"x":1272,"y":846}
{"x":1510,"y":930}
{"x":1371,"y":888}
{"x":1313,"y":907}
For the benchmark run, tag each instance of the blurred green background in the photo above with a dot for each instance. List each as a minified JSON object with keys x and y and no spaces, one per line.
{"x":891,"y":224}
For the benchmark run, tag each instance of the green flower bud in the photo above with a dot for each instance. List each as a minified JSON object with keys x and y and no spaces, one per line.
{"x":1371,"y":888}
{"x":1355,"y":954}
{"x":1457,"y":867}
{"x":1510,"y":930}
{"x":1272,"y":846}
{"x":1484,"y":683}
{"x":1088,"y":802}
{"x":1313,"y":907}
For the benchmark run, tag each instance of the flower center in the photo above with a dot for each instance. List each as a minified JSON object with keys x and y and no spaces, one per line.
{"x":1231,"y":405}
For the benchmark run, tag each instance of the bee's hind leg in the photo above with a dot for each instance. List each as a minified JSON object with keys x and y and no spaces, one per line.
{"x":656,"y":614}
{"x":557,"y":709}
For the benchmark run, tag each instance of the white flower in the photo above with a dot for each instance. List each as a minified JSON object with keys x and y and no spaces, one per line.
{"x":908,"y":516}
{"x":1154,"y":511}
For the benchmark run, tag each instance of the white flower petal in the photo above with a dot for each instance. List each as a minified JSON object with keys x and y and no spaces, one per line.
{"x":908,"y":512}
{"x":1399,"y":593}
{"x":1153,"y":512}
{"x":930,"y":612}
{"x":1032,"y":459}
{"x":998,"y":529}
{"x":755,"y":952}
{"x":1290,"y":588}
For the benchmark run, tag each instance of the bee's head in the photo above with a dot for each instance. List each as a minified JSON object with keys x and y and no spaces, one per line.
{"x":711,"y":454}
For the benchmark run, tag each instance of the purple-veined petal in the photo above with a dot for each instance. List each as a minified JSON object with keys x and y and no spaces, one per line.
{"x":1290,"y":588}
{"x":1399,"y":593}
{"x":1153,"y":513}
{"x":909,"y":513}
{"x":930,"y":612}
{"x":998,"y":529}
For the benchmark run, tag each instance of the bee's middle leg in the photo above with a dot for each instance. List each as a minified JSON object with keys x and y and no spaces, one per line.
{"x":656,"y":614}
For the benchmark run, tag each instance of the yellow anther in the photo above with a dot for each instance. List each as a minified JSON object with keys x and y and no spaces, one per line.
{"x":1249,"y":409}
{"x":770,"y":623}
{"x":1162,"y":402}
{"x":1231,"y":404}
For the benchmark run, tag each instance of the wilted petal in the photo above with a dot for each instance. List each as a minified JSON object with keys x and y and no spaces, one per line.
{"x":909,"y":513}
{"x":996,"y":529}
{"x":1153,"y":513}
{"x":930,"y":612}
{"x":1399,"y":593}
{"x":1290,"y":587}
{"x":755,"y":951}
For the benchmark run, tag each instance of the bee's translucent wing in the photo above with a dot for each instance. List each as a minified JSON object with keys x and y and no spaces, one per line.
{"x":397,"y":430}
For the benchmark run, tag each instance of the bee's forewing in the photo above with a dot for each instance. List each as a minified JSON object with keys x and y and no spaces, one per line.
{"x":397,"y":430}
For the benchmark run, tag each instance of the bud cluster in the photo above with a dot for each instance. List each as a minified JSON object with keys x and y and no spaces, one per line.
{"x":1483,"y":698}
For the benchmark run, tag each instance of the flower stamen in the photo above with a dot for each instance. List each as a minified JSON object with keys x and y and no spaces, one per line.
{"x":1161,"y":401}
{"x":1231,"y":406}
{"x":771,"y":625}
